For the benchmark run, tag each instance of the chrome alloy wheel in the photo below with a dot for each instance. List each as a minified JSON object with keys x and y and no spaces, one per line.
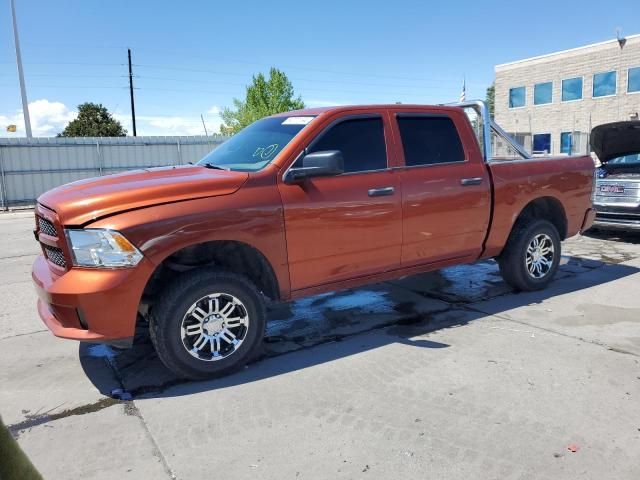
{"x":539,"y":256}
{"x":214,"y":327}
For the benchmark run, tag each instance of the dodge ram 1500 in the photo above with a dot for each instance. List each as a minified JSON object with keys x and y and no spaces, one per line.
{"x":297,"y":204}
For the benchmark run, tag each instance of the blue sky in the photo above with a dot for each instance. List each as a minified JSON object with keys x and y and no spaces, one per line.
{"x":192,"y":58}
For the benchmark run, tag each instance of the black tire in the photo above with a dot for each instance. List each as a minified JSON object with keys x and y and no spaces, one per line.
{"x":513,"y":259}
{"x":175,"y":300}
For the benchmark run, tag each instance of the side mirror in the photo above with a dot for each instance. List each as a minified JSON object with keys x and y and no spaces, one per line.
{"x":317,"y":164}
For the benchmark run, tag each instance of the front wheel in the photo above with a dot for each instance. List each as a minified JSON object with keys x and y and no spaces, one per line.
{"x":207,"y":324}
{"x":532,"y":255}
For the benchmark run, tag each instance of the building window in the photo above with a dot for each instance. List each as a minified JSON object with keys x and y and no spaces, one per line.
{"x":572,"y":89}
{"x":517,"y":97}
{"x":542,"y":93}
{"x":566,"y":143}
{"x":633,"y":84}
{"x":604,"y":84}
{"x":542,"y":143}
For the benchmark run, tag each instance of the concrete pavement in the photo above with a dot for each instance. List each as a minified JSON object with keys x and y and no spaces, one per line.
{"x":446,"y":375}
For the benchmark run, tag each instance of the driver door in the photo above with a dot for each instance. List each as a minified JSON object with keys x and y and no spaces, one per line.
{"x":350,"y":225}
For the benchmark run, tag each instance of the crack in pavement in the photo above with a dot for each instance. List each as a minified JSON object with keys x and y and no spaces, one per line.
{"x":23,"y":334}
{"x":20,"y":256}
{"x":132,"y":409}
{"x":549,"y":330}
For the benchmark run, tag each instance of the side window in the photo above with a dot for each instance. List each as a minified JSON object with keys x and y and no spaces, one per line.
{"x":429,"y":140}
{"x":361,"y":142}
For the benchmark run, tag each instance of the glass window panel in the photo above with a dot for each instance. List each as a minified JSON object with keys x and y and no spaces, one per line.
{"x":604,"y":84}
{"x":572,"y":89}
{"x":429,"y":140}
{"x":542,"y":93}
{"x":634,"y":80}
{"x":542,"y":143}
{"x":566,"y":143}
{"x":517,"y":97}
{"x":361,"y":142}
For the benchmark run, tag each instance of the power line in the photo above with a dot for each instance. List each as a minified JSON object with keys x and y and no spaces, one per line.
{"x":71,"y":86}
{"x":65,"y":75}
{"x":423,"y":81}
{"x":297,"y":79}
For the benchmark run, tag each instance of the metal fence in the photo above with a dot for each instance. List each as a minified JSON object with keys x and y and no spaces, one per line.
{"x":29,"y":167}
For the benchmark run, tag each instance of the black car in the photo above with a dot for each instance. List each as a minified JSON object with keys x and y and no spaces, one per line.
{"x":616,"y":195}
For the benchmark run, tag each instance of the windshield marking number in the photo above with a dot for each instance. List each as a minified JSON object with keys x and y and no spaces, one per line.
{"x":265,"y":152}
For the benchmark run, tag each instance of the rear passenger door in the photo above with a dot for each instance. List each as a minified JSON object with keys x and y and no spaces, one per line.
{"x":350,"y":225}
{"x":446,"y":197}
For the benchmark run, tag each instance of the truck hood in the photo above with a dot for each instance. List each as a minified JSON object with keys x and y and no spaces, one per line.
{"x":86,"y":200}
{"x":617,"y":139}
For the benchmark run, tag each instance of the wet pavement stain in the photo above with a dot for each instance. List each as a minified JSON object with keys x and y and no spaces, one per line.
{"x":39,"y":419}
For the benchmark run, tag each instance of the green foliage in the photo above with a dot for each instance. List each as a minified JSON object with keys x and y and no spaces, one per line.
{"x":491,"y":99}
{"x":93,"y":120}
{"x":264,"y":97}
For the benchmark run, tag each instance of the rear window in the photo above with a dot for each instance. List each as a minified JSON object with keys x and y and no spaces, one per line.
{"x":429,"y":140}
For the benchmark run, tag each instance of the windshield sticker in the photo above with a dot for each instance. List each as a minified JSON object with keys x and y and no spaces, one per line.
{"x":297,"y":120}
{"x":265,"y":152}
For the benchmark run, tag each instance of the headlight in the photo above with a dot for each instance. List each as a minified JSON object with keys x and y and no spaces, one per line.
{"x":102,"y":248}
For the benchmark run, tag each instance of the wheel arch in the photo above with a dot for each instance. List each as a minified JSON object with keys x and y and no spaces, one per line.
{"x":231,"y":255}
{"x":545,"y":208}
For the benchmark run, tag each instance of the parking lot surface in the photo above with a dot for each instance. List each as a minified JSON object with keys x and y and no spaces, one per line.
{"x":443,"y":375}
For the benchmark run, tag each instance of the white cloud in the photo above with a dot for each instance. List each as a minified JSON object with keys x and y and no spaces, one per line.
{"x":47,"y":119}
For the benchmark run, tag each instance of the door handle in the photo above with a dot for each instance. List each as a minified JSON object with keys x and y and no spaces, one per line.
{"x":381,"y":192}
{"x":465,"y":182}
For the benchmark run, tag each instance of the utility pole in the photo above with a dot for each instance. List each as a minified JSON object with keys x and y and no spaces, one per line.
{"x":206,"y":134}
{"x":133,"y":106}
{"x":23,"y":90}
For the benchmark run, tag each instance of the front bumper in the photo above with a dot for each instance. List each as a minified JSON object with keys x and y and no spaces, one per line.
{"x":612,"y":217}
{"x":609,"y":224}
{"x":93,"y":305}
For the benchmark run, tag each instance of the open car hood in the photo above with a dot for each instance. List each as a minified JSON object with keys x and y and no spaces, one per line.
{"x":617,"y":139}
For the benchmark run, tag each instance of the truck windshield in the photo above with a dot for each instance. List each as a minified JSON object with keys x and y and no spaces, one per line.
{"x":255,"y":146}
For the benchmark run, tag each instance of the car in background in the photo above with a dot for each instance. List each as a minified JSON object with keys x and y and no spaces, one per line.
{"x":617,"y":186}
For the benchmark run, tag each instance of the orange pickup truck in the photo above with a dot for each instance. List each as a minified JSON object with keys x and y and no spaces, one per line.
{"x":296,"y":204}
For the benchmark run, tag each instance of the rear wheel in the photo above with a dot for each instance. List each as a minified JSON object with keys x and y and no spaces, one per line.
{"x":532,"y":255}
{"x":207,"y":324}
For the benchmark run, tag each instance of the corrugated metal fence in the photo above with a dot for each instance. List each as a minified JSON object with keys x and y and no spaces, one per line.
{"x":29,"y":167}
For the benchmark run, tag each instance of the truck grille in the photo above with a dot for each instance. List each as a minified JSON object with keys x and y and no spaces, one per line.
{"x":48,"y":232}
{"x":46,"y":227}
{"x":55,"y":255}
{"x":614,"y":191}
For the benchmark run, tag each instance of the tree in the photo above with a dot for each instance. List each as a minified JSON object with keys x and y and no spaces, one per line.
{"x":93,"y":120}
{"x":264,"y":97}
{"x":491,"y":99}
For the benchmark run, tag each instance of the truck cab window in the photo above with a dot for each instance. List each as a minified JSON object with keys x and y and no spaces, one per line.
{"x":361,"y":142}
{"x":428,"y":140}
